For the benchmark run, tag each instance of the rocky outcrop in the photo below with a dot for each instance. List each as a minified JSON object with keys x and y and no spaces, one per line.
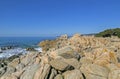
{"x":77,"y":57}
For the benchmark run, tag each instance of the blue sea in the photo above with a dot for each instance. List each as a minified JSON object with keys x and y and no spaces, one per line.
{"x":20,"y":43}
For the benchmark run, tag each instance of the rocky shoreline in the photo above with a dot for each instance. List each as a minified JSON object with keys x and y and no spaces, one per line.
{"x":77,"y":57}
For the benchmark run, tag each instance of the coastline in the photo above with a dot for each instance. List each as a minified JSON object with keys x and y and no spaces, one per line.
{"x":79,"y":57}
{"x":10,"y":46}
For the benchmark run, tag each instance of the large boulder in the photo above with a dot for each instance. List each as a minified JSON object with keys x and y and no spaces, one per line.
{"x":73,"y":62}
{"x":93,"y":71}
{"x":43,"y":72}
{"x":14,"y":63}
{"x":29,"y":58}
{"x":59,"y":64}
{"x":74,"y":74}
{"x":30,"y":71}
{"x":66,"y":52}
{"x":70,"y":54}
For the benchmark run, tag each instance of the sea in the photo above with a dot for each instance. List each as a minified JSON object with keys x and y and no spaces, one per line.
{"x":20,"y":44}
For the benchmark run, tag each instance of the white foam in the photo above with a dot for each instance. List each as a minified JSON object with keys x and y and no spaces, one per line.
{"x":38,"y":49}
{"x":11,"y":52}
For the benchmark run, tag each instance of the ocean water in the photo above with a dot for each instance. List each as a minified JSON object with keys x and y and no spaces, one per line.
{"x":19,"y":44}
{"x":22,"y":41}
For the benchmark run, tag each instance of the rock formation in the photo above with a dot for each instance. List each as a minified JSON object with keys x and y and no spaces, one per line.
{"x":76,"y":57}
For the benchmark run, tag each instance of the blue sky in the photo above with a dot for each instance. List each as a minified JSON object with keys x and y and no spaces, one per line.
{"x":54,"y":17}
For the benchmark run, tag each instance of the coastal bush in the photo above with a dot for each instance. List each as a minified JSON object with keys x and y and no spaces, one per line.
{"x":109,"y":33}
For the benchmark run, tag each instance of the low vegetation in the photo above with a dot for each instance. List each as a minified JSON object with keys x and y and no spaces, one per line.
{"x":109,"y":33}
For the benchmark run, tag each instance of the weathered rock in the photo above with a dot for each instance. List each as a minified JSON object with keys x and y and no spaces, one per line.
{"x":15,"y":75}
{"x":10,"y":70}
{"x":73,"y":62}
{"x":30,"y":71}
{"x":30,"y":49}
{"x":102,"y":57}
{"x":45,"y":59}
{"x":53,"y":74}
{"x":29,"y":58}
{"x":105,"y":58}
{"x":20,"y":66}
{"x":59,"y":76}
{"x":6,"y":47}
{"x":2,"y":64}
{"x":85,"y":60}
{"x":59,"y":64}
{"x":2,"y":71}
{"x":70,"y":54}
{"x":18,"y":73}
{"x":74,"y":74}
{"x":9,"y":77}
{"x":66,"y":52}
{"x":93,"y":71}
{"x":43,"y":72}
{"x":114,"y":74}
{"x":91,"y":76}
{"x":14,"y":63}
{"x":111,"y":67}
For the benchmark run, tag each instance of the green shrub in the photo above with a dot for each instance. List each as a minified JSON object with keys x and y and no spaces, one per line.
{"x":109,"y":33}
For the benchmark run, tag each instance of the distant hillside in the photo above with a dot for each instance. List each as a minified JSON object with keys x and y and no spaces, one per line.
{"x":109,"y":33}
{"x":91,"y":34}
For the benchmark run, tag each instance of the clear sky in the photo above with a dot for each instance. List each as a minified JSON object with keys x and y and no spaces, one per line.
{"x":54,"y":17}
